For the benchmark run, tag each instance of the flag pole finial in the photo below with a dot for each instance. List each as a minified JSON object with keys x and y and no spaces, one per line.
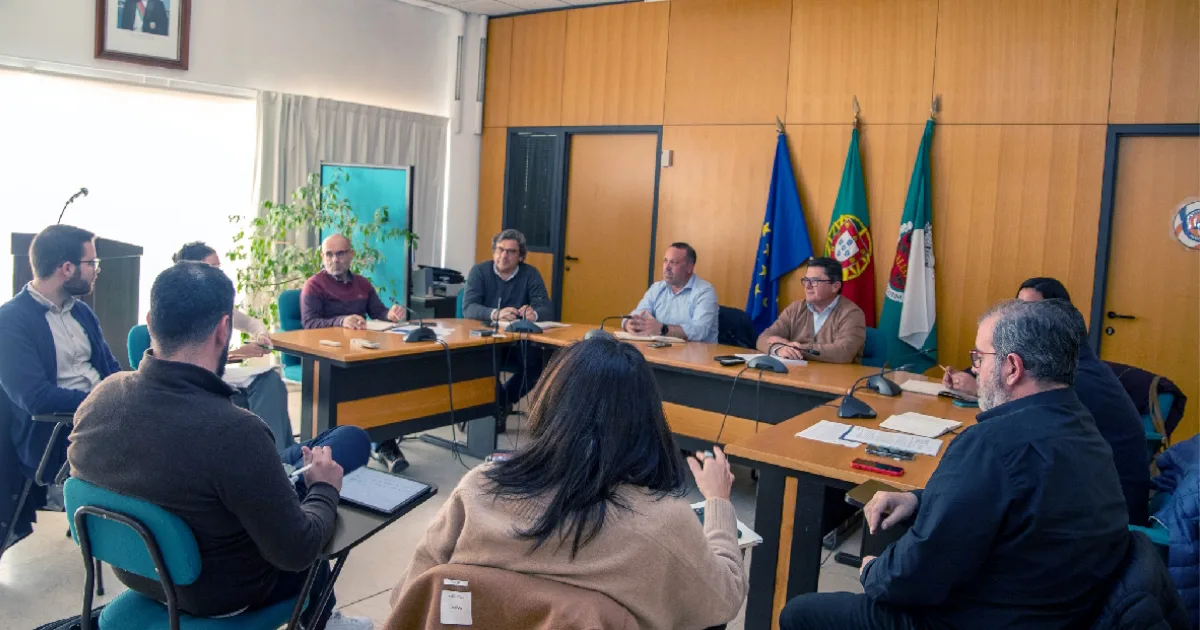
{"x":778,"y":125}
{"x":933,"y":107}
{"x":854,"y":106}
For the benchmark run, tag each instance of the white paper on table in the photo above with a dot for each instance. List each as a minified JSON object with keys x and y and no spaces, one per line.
{"x":746,"y":537}
{"x":920,"y":424}
{"x":380,"y":325}
{"x":791,"y":362}
{"x":539,"y":324}
{"x":828,"y":432}
{"x":625,"y":336}
{"x":243,"y":375}
{"x":898,"y":441}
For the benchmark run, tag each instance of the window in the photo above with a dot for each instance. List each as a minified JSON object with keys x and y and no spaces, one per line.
{"x":532,"y":192}
{"x":162,"y":167}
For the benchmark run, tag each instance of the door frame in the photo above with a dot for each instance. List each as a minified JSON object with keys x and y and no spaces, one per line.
{"x":1107,"y":199}
{"x":562,"y":166}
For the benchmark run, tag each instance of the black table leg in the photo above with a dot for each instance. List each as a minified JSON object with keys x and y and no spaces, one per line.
{"x":768,"y":516}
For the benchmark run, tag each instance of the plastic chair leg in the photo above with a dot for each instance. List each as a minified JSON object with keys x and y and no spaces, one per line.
{"x":99,"y":579}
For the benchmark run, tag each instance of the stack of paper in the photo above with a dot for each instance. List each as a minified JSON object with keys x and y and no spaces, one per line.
{"x":828,"y":432}
{"x":380,"y":325}
{"x":897,"y":441}
{"x":920,"y":424}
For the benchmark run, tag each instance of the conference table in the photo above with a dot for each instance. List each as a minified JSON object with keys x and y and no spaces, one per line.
{"x":400,"y":388}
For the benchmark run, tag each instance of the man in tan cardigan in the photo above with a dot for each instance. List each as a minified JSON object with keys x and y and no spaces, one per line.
{"x":823,"y":327}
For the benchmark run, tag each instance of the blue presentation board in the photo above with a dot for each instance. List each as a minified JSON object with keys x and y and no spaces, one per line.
{"x":368,"y":189}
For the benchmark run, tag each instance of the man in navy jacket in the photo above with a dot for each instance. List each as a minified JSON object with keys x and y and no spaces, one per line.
{"x":53,"y":355}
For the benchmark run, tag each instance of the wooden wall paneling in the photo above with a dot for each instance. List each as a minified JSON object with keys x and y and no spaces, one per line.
{"x":538,"y":47}
{"x":727,"y":61}
{"x":544,"y":263}
{"x":615,"y":65}
{"x":498,"y":75}
{"x":1011,"y":202}
{"x":1024,"y":61}
{"x":1156,"y":62}
{"x":879,"y":50}
{"x":714,"y":197}
{"x":491,"y":190}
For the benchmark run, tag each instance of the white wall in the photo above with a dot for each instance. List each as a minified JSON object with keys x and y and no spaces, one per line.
{"x":375,"y":52}
{"x":462,"y":194}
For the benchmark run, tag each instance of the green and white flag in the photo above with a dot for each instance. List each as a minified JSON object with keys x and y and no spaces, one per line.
{"x":909,"y":319}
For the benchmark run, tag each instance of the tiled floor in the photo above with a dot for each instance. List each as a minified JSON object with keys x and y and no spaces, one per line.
{"x":41,"y":579}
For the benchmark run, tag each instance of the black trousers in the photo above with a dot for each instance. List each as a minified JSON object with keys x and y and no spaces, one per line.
{"x":848,"y":611}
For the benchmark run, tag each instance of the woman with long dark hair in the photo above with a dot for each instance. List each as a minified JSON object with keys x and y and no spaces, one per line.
{"x":595,"y":500}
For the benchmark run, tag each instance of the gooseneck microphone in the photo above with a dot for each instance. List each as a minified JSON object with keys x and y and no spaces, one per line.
{"x":600,"y":332}
{"x":82,"y":193}
{"x":421,"y":332}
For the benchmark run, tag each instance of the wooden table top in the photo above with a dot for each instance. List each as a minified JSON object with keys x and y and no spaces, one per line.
{"x":778,"y":444}
{"x":390,"y":344}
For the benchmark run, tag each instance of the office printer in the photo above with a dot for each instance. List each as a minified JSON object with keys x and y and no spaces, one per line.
{"x":427,"y":280}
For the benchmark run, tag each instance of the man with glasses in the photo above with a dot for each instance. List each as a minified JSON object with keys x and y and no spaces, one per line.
{"x":1022,"y":524}
{"x":504,"y":289}
{"x":338,"y":297}
{"x":52,"y":353}
{"x":823,"y":327}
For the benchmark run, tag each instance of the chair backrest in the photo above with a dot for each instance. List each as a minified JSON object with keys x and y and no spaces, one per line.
{"x":1142,"y":594}
{"x":117,"y":544}
{"x":289,"y":319}
{"x":137,"y":344}
{"x":734,"y":327}
{"x":875,"y":350}
{"x":505,"y":599}
{"x":458,"y":308}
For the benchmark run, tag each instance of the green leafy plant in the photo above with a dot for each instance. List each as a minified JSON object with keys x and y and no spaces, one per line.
{"x":274,"y":263}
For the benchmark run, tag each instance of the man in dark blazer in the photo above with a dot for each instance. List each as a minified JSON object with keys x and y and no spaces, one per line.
{"x":154,"y":17}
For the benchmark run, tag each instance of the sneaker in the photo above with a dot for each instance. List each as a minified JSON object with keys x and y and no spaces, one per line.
{"x":397,"y":463}
{"x":338,"y":621}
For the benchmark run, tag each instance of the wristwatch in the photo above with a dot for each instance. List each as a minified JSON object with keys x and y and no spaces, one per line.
{"x":664,"y":330}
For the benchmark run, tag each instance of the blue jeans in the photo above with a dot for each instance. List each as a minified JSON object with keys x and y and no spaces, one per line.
{"x":351,"y":448}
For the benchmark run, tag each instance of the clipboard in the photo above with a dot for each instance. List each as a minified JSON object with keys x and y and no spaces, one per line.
{"x":381,"y":492}
{"x":860,"y":495}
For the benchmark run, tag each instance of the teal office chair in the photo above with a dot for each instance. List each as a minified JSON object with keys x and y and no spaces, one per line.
{"x":875,"y":350}
{"x":137,"y":344}
{"x":458,"y":309}
{"x":289,"y":319}
{"x":142,"y":538}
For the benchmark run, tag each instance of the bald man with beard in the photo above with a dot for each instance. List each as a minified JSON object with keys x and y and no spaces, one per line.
{"x":336,"y":297}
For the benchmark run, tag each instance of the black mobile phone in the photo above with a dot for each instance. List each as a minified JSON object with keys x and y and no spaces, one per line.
{"x":729,"y":359}
{"x":482,"y":332}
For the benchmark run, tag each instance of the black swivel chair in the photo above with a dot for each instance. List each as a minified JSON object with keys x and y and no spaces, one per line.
{"x":734,"y":328}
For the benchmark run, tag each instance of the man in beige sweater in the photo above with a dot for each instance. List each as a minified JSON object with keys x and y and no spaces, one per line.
{"x":823,"y":327}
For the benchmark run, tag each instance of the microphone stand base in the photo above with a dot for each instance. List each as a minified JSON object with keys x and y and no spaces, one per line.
{"x":883,"y":385}
{"x":421,"y":333}
{"x":853,"y":408}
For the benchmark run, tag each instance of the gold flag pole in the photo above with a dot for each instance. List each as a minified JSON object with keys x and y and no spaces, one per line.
{"x":854,"y":106}
{"x":778,"y":125}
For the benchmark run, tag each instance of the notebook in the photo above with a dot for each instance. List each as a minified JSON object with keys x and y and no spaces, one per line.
{"x":920,"y":424}
{"x":380,"y":325}
{"x":381,"y":492}
{"x":930,"y":388}
{"x":624,"y":336}
{"x":746,"y":536}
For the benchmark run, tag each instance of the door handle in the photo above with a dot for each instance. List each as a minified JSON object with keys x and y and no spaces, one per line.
{"x":1114,"y":315}
{"x":570,"y":259}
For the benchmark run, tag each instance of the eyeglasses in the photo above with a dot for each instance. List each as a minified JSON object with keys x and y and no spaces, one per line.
{"x":511,"y":252}
{"x":808,"y":282}
{"x":977,"y":357}
{"x":95,"y":263}
{"x":341,"y":253}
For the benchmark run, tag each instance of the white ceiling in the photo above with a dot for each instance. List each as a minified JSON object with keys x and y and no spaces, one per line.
{"x":504,"y":7}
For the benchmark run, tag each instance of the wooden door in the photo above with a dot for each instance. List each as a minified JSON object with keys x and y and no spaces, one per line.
{"x":1151,"y":276}
{"x":610,"y":208}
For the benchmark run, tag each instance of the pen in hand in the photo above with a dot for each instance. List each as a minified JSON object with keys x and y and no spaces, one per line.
{"x":299,"y":471}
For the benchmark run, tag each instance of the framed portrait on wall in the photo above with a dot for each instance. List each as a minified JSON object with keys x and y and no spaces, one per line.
{"x":149,"y":32}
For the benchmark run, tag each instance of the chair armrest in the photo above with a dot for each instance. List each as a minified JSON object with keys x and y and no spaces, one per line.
{"x":57,"y":418}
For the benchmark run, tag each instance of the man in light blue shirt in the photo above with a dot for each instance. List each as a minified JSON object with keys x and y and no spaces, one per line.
{"x":681,"y":304}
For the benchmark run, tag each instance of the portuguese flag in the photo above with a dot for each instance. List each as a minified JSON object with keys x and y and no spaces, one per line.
{"x":849,"y":237}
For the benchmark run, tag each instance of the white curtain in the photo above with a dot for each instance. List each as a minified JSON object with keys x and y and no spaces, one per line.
{"x":297,"y":133}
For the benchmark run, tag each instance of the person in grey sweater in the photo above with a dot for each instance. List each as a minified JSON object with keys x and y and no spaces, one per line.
{"x":506,"y":289}
{"x":169,"y":434}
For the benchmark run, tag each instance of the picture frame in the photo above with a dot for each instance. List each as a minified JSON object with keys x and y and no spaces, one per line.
{"x":146,"y":32}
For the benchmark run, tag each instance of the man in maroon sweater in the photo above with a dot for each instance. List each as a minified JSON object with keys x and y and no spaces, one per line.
{"x":336,"y":297}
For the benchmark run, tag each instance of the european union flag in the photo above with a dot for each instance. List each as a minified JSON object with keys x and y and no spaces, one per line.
{"x":784,"y":244}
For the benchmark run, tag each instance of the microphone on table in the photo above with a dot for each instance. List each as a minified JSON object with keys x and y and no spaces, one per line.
{"x":773,"y":364}
{"x":600,"y":332}
{"x":82,"y":193}
{"x":888,"y":387}
{"x":852,"y":407}
{"x":421,"y":332}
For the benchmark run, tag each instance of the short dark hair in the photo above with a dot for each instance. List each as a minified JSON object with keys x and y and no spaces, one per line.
{"x":831,"y":267}
{"x":510,"y":234}
{"x":187,"y":301}
{"x":1050,"y":288}
{"x":195,"y":250}
{"x":588,"y":443}
{"x":691,"y":253}
{"x":1044,"y":334}
{"x":56,"y":245}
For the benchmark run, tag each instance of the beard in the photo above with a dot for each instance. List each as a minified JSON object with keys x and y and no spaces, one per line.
{"x":222,"y":361}
{"x":77,"y":286}
{"x":991,"y":392}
